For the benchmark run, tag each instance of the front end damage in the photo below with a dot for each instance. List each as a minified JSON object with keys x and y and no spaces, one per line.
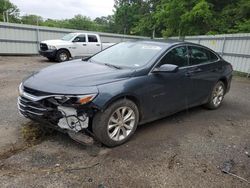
{"x":70,"y":114}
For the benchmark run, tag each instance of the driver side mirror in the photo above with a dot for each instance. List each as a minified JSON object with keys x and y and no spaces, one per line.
{"x":77,"y":39}
{"x":166,"y":68}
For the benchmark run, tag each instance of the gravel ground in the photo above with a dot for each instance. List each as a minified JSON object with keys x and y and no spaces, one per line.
{"x":183,"y":150}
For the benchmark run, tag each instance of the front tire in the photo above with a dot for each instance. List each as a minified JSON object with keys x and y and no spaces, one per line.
{"x":62,"y":55}
{"x":117,"y":123}
{"x":217,"y":96}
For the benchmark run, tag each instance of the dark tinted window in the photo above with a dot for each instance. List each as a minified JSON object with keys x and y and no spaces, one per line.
{"x":200,"y":55}
{"x":178,"y":56}
{"x":80,"y":38}
{"x":92,"y":38}
{"x":212,"y":56}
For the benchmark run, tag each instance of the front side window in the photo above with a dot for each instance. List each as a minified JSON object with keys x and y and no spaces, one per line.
{"x":200,"y":55}
{"x":80,"y":38}
{"x":177,"y":56}
{"x":92,"y":38}
{"x":68,"y":37}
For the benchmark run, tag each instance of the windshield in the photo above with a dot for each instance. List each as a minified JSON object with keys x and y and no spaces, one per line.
{"x":128,"y":54}
{"x":68,"y":37}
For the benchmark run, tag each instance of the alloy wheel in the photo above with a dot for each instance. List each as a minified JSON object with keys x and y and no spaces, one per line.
{"x":121,"y":123}
{"x":218,"y":95}
{"x":63,"y":56}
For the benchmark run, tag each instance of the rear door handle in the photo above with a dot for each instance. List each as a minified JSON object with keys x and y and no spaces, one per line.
{"x":193,"y":71}
{"x":218,"y":69}
{"x":98,"y":45}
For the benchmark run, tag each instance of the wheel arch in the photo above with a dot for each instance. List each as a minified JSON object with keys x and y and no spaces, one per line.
{"x":131,"y":97}
{"x":225,"y":82}
{"x":65,"y":50}
{"x":128,"y":96}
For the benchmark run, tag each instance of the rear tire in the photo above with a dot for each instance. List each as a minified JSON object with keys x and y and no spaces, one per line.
{"x":62,"y":55}
{"x":216,"y":96}
{"x":117,"y":123}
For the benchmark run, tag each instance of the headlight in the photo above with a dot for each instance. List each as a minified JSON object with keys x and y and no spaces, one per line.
{"x":20,"y":89}
{"x":51,"y":47}
{"x":75,"y":100}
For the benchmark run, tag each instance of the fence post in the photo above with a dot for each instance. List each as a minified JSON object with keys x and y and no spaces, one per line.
{"x":37,"y":40}
{"x":223,"y":45}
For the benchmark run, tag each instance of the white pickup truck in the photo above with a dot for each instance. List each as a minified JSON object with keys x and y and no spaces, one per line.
{"x":72,"y":45}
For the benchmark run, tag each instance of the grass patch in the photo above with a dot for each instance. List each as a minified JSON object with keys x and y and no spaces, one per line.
{"x":32,"y":132}
{"x":240,"y":74}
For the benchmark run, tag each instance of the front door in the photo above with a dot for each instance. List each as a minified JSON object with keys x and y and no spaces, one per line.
{"x":167,"y":90}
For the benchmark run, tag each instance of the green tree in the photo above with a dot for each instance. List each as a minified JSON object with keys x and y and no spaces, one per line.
{"x":198,"y":20}
{"x":127,"y":14}
{"x":147,"y":23}
{"x":8,"y":11}
{"x":105,"y":23}
{"x":32,"y":19}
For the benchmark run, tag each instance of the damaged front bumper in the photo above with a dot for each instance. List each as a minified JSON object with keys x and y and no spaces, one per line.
{"x":56,"y":112}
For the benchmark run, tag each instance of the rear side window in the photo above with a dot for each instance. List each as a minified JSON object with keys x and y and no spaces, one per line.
{"x":212,"y":56}
{"x":178,"y":56}
{"x":200,"y":55}
{"x":92,"y":38}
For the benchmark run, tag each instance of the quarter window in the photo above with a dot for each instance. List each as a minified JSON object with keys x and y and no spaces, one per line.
{"x":200,"y":55}
{"x":178,"y":56}
{"x":92,"y":38}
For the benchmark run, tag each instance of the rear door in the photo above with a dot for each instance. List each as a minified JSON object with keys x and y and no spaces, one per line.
{"x":94,"y":44}
{"x":203,"y":71}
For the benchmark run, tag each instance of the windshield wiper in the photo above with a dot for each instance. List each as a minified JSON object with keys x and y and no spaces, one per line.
{"x":114,"y":66}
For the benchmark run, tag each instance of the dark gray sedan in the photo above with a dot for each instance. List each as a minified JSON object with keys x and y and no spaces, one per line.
{"x":107,"y":95}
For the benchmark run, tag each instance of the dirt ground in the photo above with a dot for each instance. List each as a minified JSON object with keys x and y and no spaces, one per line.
{"x":183,"y":150}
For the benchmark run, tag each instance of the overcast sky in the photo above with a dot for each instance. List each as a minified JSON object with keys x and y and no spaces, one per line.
{"x":59,"y":9}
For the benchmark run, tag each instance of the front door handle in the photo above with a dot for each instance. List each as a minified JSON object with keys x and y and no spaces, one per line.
{"x":84,"y":44}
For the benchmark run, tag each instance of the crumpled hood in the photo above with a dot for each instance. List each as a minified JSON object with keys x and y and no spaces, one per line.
{"x":56,"y":42}
{"x":74,"y":77}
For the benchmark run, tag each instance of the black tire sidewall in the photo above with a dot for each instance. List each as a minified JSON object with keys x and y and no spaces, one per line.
{"x":100,"y":122}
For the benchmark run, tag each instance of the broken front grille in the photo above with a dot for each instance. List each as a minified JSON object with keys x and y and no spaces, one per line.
{"x":28,"y":107}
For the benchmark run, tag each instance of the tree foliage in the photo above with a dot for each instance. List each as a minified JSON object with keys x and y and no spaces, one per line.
{"x":153,"y":17}
{"x":183,"y":17}
{"x":6,"y":7}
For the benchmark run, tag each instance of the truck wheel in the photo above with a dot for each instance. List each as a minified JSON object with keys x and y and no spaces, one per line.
{"x":62,"y":55}
{"x":117,"y":123}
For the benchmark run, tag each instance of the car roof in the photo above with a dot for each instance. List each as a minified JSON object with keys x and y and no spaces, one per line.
{"x":167,"y":43}
{"x":162,"y":42}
